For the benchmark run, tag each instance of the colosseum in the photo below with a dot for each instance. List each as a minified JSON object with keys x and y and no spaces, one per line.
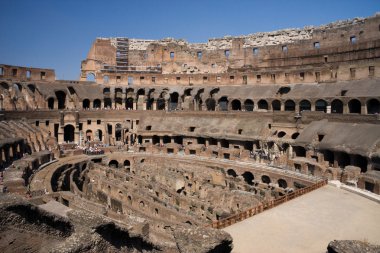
{"x":163,"y":145}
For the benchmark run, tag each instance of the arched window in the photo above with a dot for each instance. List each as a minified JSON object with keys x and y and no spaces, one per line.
{"x":262,"y":104}
{"x":210,"y":104}
{"x":248,"y":177}
{"x":320,"y":105}
{"x":305,"y":105}
{"x":248,"y":105}
{"x":236,"y":105}
{"x":51,"y":103}
{"x":223,"y":104}
{"x":68,"y":133}
{"x":276,"y":105}
{"x":290,"y":106}
{"x":354,"y":106}
{"x":86,"y":104}
{"x":61,"y":97}
{"x":90,"y":77}
{"x":373,"y":106}
{"x":96,"y":103}
{"x":336,"y":106}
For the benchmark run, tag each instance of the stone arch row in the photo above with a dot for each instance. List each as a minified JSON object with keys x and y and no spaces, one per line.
{"x":10,"y":152}
{"x":249,"y":177}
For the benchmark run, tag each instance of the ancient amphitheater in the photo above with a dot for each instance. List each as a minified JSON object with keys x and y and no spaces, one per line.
{"x":165,"y":146}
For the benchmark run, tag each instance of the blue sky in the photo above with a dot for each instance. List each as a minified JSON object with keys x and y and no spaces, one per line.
{"x":58,"y":33}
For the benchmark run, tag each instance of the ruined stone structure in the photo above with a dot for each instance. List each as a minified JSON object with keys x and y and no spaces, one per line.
{"x":181,"y":135}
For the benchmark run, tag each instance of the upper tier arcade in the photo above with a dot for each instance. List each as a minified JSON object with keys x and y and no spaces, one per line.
{"x":342,"y":50}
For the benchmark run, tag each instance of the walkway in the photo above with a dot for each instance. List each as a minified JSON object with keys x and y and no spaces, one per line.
{"x":309,"y":223}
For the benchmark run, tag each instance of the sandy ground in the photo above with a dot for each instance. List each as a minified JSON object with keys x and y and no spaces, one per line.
{"x":309,"y":223}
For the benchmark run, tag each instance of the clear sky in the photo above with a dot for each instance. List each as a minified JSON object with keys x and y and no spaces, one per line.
{"x":58,"y":33}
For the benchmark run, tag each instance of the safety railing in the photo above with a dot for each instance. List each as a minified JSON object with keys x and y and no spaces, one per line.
{"x":264,"y":206}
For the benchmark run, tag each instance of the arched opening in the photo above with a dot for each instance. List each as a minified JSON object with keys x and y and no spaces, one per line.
{"x":281,"y":134}
{"x":343,"y":159}
{"x":61,"y":97}
{"x":155,"y":139}
{"x":223,"y":104}
{"x":295,"y":135}
{"x":231,"y":173}
{"x":68,"y":133}
{"x":96,"y":103}
{"x":290,"y":106}
{"x":360,"y":161}
{"x":320,"y":105}
{"x":166,"y":139}
{"x":160,"y":104}
{"x":4,"y":86}
{"x":127,"y":164}
{"x":107,"y":103}
{"x":236,"y":105}
{"x":276,"y":105}
{"x":129,"y":103}
{"x":282,"y":183}
{"x":99,"y":135}
{"x":336,"y":106}
{"x":262,"y":104}
{"x":89,"y":135}
{"x":90,"y":77}
{"x":248,"y":177}
{"x":149,"y":103}
{"x":248,"y":105}
{"x":354,"y":106}
{"x":373,"y":106}
{"x":86,"y":104}
{"x":118,"y":131}
{"x":265,"y":179}
{"x":210,"y":104}
{"x":173,"y":101}
{"x":113,"y":164}
{"x":305,"y":105}
{"x":51,"y":103}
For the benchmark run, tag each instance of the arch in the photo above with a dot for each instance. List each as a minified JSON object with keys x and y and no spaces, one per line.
{"x":166,"y":139}
{"x":290,"y":106}
{"x":236,"y":105}
{"x":86,"y":104}
{"x":173,"y":101}
{"x":127,"y":163}
{"x":4,"y":86}
{"x":295,"y":135}
{"x":305,"y":105}
{"x":155,"y":139}
{"x":276,"y":105}
{"x":96,"y":103}
{"x":320,"y":105}
{"x":231,"y":173}
{"x":281,"y":134}
{"x":265,"y":179}
{"x":354,"y":106}
{"x":262,"y":104}
{"x":160,"y":104}
{"x":89,"y":136}
{"x":68,"y":133}
{"x":106,"y":91}
{"x":113,"y":163}
{"x":248,"y":177}
{"x":51,"y":103}
{"x":336,"y":106}
{"x":107,"y":103}
{"x":140,"y":92}
{"x":129,"y":103}
{"x":248,"y":105}
{"x":223,"y":104}
{"x":99,"y":134}
{"x":61,"y":97}
{"x":118,"y":131}
{"x":373,"y":106}
{"x":90,"y":77}
{"x":149,"y":103}
{"x":210,"y":104}
{"x":282,"y":183}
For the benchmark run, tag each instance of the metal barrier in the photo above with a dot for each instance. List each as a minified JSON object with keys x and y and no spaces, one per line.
{"x":264,"y":206}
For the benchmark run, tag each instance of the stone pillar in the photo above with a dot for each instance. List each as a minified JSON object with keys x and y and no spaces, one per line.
{"x":297,"y":107}
{"x":154,"y":105}
{"x":161,"y":141}
{"x":363,"y":108}
{"x":76,"y":135}
{"x":312,"y":107}
{"x":134,"y":105}
{"x":207,"y":143}
{"x":345,"y":108}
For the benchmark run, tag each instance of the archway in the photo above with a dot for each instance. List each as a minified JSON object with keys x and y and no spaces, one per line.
{"x":107,"y":103}
{"x":373,"y":106}
{"x":336,"y":106}
{"x":248,"y":177}
{"x":99,"y":134}
{"x":89,"y":136}
{"x":305,"y":105}
{"x":90,"y":77}
{"x":86,"y":104}
{"x":68,"y":133}
{"x":290,"y":106}
{"x":118,"y":131}
{"x":129,"y":104}
{"x":155,"y":139}
{"x":160,"y":104}
{"x":282,"y":183}
{"x":236,"y":105}
{"x":262,"y":104}
{"x":265,"y":179}
{"x":320,"y":105}
{"x":248,"y":105}
{"x":223,"y":104}
{"x":173,"y":101}
{"x":210,"y":104}
{"x":51,"y":103}
{"x":354,"y":106}
{"x":276,"y":105}
{"x":61,"y":97}
{"x":113,"y":164}
{"x":96,"y":103}
{"x":231,"y":173}
{"x":127,"y":164}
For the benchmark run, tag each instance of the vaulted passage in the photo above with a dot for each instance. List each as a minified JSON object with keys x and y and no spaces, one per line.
{"x":336,"y":106}
{"x":248,"y":105}
{"x":354,"y":106}
{"x":305,"y":105}
{"x":68,"y":133}
{"x":373,"y":106}
{"x":61,"y":97}
{"x":236,"y":105}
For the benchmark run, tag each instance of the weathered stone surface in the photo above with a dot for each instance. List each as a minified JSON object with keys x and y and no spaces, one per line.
{"x":348,"y":246}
